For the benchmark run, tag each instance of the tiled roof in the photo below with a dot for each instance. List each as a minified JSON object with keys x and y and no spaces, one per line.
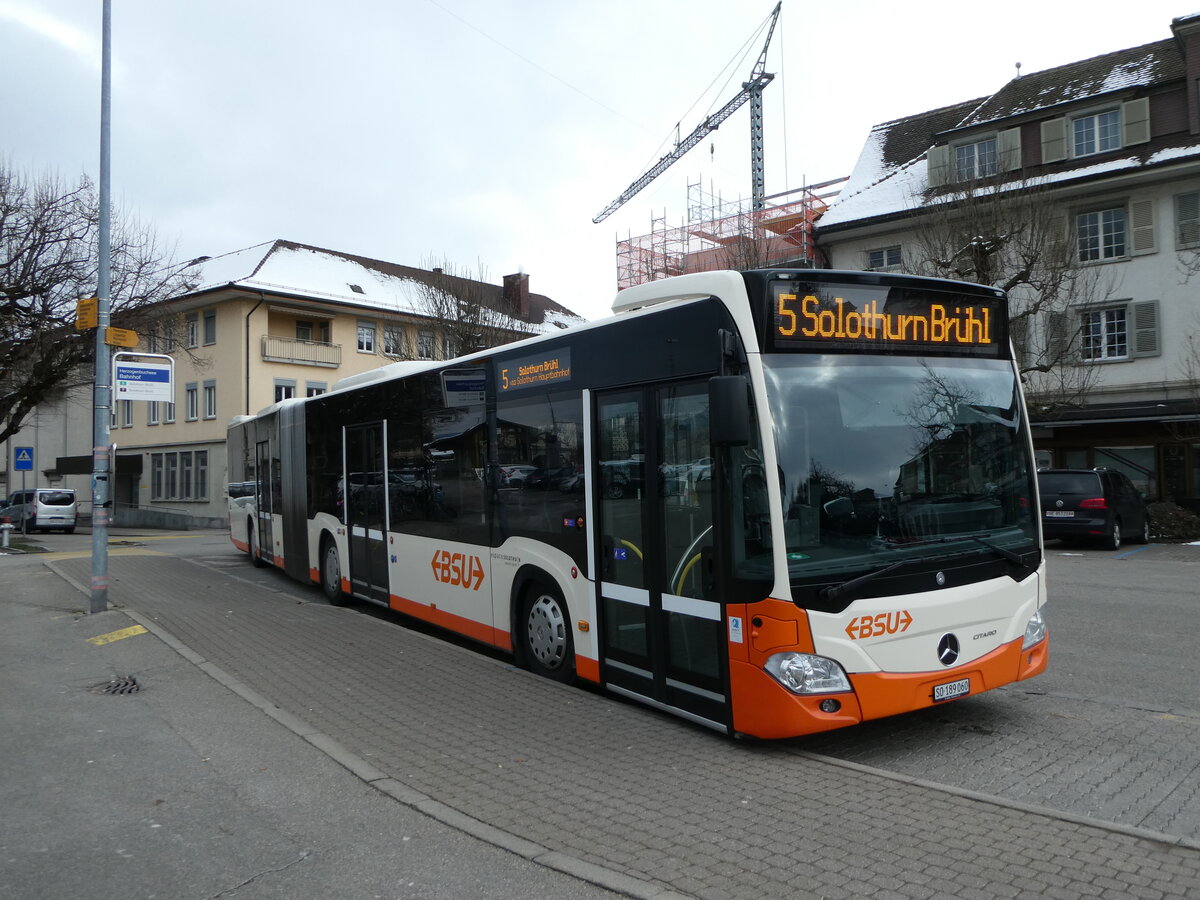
{"x":1135,"y":67}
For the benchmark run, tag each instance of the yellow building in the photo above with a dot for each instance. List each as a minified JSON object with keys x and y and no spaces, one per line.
{"x":266,"y":323}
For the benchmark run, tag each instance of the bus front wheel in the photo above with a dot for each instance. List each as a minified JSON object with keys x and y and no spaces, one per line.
{"x":546,"y":633}
{"x":331,"y":573}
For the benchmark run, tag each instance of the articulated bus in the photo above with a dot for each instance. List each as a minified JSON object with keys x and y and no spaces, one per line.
{"x":773,"y":502}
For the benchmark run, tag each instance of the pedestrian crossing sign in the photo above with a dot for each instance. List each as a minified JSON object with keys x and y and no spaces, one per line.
{"x":23,"y":459}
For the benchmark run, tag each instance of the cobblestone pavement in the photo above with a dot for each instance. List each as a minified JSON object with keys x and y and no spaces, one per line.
{"x":639,"y":793}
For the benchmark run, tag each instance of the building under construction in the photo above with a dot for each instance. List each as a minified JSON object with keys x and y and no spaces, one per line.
{"x":722,"y":235}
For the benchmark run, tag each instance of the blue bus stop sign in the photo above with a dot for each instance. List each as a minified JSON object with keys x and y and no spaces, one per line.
{"x":23,"y":459}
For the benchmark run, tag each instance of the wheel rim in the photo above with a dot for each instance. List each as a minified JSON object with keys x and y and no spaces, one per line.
{"x":547,"y":632}
{"x":1116,"y":536}
{"x":333,"y":574}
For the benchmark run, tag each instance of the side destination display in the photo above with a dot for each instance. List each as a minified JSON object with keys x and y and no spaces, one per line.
{"x":533,"y":371}
{"x":862,"y":318}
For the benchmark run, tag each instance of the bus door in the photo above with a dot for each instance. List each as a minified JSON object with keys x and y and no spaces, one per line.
{"x":266,"y":476}
{"x":662,"y":638}
{"x":365,"y":480}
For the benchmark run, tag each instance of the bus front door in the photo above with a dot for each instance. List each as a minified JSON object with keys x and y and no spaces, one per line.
{"x":366,"y":509}
{"x":662,"y":638}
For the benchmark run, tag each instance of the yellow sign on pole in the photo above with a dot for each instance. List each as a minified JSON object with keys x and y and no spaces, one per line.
{"x":120,"y":337}
{"x":87,"y":313}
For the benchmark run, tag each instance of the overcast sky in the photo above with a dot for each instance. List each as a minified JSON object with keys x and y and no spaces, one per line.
{"x":488,"y":133}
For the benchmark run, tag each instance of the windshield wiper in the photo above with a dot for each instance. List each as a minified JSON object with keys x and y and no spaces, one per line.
{"x":1015,"y":558}
{"x":834,"y":591}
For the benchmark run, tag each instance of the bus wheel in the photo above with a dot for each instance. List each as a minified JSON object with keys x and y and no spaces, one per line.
{"x":546,"y":632}
{"x":331,"y":573}
{"x":252,"y":547}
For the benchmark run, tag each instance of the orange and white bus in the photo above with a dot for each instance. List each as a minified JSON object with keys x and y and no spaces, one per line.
{"x":773,"y":502}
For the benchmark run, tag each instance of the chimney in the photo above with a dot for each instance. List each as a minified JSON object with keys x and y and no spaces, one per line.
{"x":1187,"y":36}
{"x":516,"y":293}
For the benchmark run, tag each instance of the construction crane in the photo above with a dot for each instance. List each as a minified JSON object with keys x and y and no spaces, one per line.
{"x":751,"y":90}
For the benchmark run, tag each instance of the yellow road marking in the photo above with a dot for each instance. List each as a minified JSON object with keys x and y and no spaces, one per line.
{"x":112,"y":551}
{"x":102,"y":639}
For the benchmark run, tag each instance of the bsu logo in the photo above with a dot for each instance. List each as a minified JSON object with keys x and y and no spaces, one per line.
{"x":458,"y":568}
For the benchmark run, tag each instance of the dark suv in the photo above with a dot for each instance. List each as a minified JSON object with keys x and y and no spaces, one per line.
{"x":1092,"y":504}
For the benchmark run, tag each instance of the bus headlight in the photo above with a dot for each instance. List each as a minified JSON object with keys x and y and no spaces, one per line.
{"x":803,"y":673}
{"x":1035,"y":630}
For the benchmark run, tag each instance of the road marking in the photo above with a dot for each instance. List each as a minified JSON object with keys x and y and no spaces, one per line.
{"x":112,"y":551}
{"x":101,"y":639}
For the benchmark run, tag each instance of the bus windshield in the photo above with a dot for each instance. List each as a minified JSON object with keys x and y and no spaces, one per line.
{"x":887,"y":459}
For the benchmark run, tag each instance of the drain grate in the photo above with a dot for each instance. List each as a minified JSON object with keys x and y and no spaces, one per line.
{"x":126,"y":684}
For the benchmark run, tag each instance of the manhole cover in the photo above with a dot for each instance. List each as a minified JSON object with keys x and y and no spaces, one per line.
{"x":126,"y":684}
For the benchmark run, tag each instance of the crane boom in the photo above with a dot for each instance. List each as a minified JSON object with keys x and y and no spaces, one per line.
{"x":751,"y":90}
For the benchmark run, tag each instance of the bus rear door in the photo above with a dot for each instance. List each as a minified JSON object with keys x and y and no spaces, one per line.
{"x":366,"y":481}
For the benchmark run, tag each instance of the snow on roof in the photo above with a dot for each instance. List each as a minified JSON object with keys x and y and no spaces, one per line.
{"x":297,"y":270}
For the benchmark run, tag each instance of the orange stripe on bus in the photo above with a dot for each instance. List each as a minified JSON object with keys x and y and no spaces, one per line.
{"x":469,"y":627}
{"x":587,"y":669}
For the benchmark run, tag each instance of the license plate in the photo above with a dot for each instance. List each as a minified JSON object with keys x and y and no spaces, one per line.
{"x":951,"y":689}
{"x":1060,"y":514}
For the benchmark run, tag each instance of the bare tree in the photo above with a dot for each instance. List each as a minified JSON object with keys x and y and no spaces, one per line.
{"x":1018,"y":239}
{"x":467,"y":312}
{"x":49,"y":233}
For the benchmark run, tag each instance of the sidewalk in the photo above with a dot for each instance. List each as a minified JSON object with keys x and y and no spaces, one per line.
{"x":642,"y":803}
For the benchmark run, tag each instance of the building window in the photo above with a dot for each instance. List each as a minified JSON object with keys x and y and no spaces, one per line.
{"x":112,"y":415}
{"x":1105,"y":335}
{"x":181,"y":475}
{"x":393,"y":340}
{"x":210,"y":399}
{"x":366,"y":337}
{"x":210,"y":326}
{"x":1187,"y":220}
{"x":1101,"y":234}
{"x":191,"y":403}
{"x":152,"y":412}
{"x":191,"y":330}
{"x":885,"y":259}
{"x":304,"y":331}
{"x":425,"y":345}
{"x":448,"y":348}
{"x":284,"y":390}
{"x":314,"y":388}
{"x":975,"y":160}
{"x":1096,"y":133}
{"x":169,"y":414}
{"x":126,"y":413}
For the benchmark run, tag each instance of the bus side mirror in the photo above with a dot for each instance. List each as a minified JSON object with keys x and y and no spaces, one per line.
{"x":729,"y":410}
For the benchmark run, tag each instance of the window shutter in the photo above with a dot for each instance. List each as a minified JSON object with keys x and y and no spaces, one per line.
{"x":1008,"y":146}
{"x":1054,"y":140}
{"x":1059,"y":335}
{"x":1145,"y":328}
{"x":939,"y":165}
{"x":1141,"y":215}
{"x":1135,"y":121}
{"x":1187,"y":220}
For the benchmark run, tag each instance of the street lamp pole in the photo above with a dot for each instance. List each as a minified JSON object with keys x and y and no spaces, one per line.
{"x":102,"y":410}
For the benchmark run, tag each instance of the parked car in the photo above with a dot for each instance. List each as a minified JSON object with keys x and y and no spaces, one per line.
{"x":1092,"y":504}
{"x":515,"y":475}
{"x":42,"y":509}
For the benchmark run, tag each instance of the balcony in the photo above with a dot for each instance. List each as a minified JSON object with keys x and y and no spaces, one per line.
{"x":302,"y":353}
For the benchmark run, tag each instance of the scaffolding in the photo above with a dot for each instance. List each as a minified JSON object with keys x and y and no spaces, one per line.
{"x":722,"y":234}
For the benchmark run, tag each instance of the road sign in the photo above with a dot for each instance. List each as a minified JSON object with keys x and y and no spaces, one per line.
{"x":120,"y":337}
{"x":22,"y":459}
{"x":87,"y":314}
{"x":142,"y":381}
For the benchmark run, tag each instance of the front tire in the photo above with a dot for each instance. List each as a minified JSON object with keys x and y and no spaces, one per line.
{"x":1144,"y":535}
{"x":546,"y":634}
{"x":331,"y":573}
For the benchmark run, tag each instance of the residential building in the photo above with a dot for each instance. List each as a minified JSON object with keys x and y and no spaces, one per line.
{"x":261,"y":325}
{"x":1110,"y":147}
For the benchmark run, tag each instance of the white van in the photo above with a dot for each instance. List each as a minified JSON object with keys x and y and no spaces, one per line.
{"x":42,"y":509}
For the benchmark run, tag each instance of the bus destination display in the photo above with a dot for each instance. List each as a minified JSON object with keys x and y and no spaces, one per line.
{"x":865,"y":318}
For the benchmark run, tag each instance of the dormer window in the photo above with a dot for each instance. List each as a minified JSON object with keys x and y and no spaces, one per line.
{"x":1096,"y":133}
{"x":975,"y":160}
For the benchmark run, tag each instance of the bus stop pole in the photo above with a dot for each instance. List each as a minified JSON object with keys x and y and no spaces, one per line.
{"x":101,"y":485}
